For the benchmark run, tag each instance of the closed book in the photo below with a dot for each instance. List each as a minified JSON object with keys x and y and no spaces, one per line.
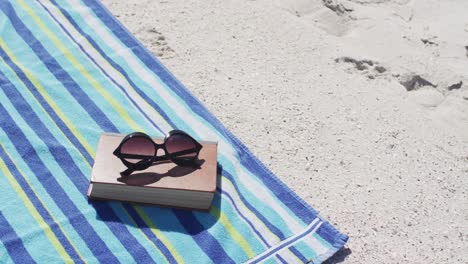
{"x":163,"y":183}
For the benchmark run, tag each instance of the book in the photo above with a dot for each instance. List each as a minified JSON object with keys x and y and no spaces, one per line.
{"x":163,"y":183}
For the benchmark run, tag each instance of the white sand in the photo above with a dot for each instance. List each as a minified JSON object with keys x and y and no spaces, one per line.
{"x":314,"y":89}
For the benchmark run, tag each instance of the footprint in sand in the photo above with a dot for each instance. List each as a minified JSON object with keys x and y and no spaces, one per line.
{"x":370,"y":68}
{"x":158,"y":43}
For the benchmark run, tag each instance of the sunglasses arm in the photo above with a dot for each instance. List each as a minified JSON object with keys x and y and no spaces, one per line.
{"x":127,"y":172}
{"x":184,"y":152}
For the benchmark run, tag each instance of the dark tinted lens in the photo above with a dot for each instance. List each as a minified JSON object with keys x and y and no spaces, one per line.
{"x":181,"y":147}
{"x":137,"y":149}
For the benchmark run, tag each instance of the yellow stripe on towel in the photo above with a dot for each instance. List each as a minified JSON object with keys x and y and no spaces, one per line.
{"x":233,"y":232}
{"x":154,"y":229}
{"x":40,"y":220}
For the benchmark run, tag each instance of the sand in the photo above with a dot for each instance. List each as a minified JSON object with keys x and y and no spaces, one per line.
{"x":360,"y":106}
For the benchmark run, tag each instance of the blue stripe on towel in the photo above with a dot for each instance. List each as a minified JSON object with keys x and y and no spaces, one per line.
{"x":13,"y":243}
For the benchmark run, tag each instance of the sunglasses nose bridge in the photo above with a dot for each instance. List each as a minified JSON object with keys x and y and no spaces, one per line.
{"x":158,"y":148}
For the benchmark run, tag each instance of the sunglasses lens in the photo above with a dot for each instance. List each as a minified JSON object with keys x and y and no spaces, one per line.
{"x":181,"y":147}
{"x":137,"y":149}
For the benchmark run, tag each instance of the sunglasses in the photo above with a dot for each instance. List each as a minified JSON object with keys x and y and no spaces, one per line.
{"x":138,"y":151}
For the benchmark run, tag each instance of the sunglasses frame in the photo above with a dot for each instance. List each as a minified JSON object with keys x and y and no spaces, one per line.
{"x":146,"y":163}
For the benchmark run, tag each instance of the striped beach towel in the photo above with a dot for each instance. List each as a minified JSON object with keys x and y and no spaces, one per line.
{"x":68,"y":72}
